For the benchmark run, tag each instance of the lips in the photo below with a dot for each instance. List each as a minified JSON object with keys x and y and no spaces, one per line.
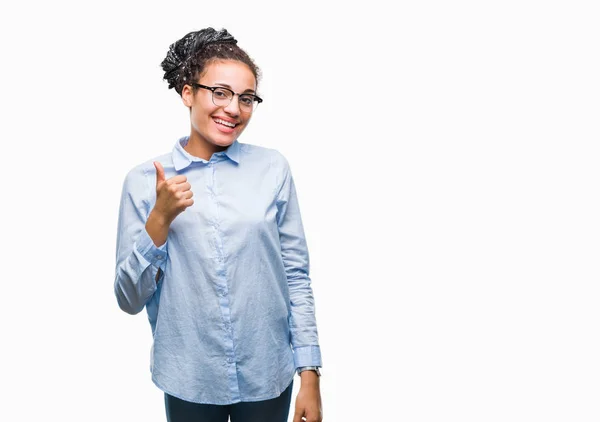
{"x":225,"y":126}
{"x":225,"y":122}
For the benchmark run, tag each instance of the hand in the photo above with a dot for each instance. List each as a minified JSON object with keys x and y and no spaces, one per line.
{"x":308,"y":404}
{"x":173,"y":196}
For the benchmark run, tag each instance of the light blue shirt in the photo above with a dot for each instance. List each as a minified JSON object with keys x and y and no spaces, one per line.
{"x":232,"y":314}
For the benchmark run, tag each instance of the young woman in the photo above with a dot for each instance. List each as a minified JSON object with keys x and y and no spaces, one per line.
{"x":210,"y":241}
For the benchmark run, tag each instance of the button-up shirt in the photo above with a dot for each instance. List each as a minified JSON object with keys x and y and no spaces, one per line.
{"x":232,"y":313}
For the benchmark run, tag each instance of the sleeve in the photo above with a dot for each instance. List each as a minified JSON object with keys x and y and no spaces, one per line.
{"x":138,"y":260}
{"x":294,"y":251}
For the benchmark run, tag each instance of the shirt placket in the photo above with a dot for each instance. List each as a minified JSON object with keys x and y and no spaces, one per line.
{"x":221,"y":284}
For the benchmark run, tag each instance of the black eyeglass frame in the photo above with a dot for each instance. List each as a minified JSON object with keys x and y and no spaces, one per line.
{"x":214,"y":88}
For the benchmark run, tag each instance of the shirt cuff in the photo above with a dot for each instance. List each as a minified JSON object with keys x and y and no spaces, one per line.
{"x":307,"y":356}
{"x":146,"y":247}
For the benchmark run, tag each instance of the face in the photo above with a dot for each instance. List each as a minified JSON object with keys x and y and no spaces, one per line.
{"x":206,"y":117}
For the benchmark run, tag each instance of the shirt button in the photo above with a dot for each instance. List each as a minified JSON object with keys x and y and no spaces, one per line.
{"x":158,"y":257}
{"x":230,"y":360}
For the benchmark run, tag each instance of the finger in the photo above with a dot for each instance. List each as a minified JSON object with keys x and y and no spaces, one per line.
{"x":178,"y":190}
{"x":313,"y":417}
{"x":177,"y":179}
{"x":297,"y":416}
{"x":185,"y":186}
{"x":183,"y":195}
{"x":160,"y":172}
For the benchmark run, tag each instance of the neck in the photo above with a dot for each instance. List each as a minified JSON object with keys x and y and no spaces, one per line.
{"x":199,"y":147}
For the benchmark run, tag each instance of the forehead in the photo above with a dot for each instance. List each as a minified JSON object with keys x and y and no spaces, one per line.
{"x":231,"y":72}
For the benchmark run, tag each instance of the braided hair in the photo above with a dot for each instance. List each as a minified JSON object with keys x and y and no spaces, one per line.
{"x":188,"y":57}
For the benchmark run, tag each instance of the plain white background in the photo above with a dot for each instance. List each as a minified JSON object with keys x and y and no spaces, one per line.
{"x":446,"y":160}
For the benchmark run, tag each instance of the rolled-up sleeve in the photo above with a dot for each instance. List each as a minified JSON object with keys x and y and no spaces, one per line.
{"x":303,"y":326}
{"x":138,"y":259}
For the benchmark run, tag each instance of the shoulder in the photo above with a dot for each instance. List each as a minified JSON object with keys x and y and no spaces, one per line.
{"x":268,"y":155}
{"x":142,"y":173}
{"x":147,"y":166}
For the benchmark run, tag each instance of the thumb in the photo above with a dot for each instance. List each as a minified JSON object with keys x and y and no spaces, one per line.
{"x":160,"y":172}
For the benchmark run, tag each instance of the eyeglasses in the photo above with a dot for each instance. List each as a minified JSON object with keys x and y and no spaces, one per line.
{"x":222,"y":97}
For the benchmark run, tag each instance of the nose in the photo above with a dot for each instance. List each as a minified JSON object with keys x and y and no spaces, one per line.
{"x":233,"y":107}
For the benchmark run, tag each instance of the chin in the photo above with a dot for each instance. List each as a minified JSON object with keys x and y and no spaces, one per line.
{"x":223,"y":142}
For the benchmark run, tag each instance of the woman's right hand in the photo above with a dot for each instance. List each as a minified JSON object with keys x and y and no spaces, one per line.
{"x":173,"y":196}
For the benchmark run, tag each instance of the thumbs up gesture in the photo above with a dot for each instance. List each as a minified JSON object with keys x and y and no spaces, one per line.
{"x":173,"y":196}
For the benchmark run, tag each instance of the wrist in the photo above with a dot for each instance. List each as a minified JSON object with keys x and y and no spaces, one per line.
{"x":158,"y":219}
{"x":308,"y":369}
{"x":309,"y":378}
{"x":157,"y":227}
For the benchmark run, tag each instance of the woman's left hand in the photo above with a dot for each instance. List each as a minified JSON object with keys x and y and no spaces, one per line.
{"x":308,"y":402}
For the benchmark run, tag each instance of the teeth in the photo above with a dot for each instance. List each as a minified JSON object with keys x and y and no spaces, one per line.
{"x":223,"y":122}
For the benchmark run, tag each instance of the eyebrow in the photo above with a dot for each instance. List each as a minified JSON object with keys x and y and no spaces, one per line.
{"x":228,"y":86}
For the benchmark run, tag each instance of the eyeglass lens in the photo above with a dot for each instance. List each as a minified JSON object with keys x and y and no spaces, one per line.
{"x":222,"y":97}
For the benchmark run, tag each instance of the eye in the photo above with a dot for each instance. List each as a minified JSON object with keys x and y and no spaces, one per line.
{"x":246,"y":99}
{"x":221,"y":93}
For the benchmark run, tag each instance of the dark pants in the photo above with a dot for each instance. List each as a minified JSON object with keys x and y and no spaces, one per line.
{"x":273,"y":410}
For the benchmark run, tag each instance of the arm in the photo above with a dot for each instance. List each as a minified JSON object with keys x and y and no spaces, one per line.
{"x":294,"y":251}
{"x":303,"y":327}
{"x":139,"y":262}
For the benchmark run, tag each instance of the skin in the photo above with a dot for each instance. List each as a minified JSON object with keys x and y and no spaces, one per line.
{"x":207,"y":136}
{"x":308,"y":401}
{"x":174,"y":195}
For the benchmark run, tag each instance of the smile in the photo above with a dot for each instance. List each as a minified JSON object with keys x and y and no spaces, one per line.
{"x":223,"y":122}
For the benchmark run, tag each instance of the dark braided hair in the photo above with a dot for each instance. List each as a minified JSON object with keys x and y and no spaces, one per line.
{"x":188,"y":57}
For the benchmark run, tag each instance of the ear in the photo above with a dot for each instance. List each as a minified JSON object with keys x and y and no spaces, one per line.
{"x":187,"y":95}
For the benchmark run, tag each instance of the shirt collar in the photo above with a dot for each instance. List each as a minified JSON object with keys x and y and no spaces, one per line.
{"x":182,"y":158}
